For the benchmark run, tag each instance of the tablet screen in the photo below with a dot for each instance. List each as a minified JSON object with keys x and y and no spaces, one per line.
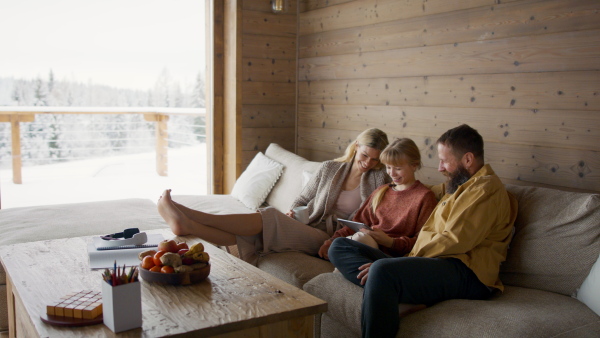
{"x":356,"y":226}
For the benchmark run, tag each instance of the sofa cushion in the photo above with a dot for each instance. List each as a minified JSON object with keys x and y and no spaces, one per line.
{"x":291,"y":267}
{"x":255,"y":183}
{"x":289,"y":185}
{"x":589,"y":293}
{"x":214,"y":204}
{"x":518,"y":312}
{"x":556,"y":241}
{"x":344,"y":299}
{"x":30,"y":224}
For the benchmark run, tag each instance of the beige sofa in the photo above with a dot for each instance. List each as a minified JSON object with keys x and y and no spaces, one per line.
{"x":557,"y":241}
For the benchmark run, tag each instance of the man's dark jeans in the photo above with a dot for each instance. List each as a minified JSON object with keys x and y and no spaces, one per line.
{"x":402,"y":280}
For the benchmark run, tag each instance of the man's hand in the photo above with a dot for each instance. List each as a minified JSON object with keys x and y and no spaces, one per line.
{"x":290,"y":213}
{"x":380,"y":237}
{"x":364,"y":273}
{"x":324,"y":249}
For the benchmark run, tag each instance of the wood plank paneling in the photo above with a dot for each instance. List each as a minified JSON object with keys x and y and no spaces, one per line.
{"x":548,"y":90}
{"x":574,"y":129}
{"x":524,"y":73}
{"x":247,"y":157}
{"x":515,"y":161}
{"x":269,"y":47}
{"x":432,"y":176}
{"x":269,"y":116}
{"x":315,"y":4}
{"x":550,"y":166}
{"x":369,"y":12}
{"x":333,"y":141}
{"x":526,"y":18}
{"x":269,"y":70}
{"x":268,"y":93}
{"x":216,"y":96}
{"x":259,"y":138}
{"x":569,"y":51}
{"x":276,"y":24}
{"x":557,"y":166}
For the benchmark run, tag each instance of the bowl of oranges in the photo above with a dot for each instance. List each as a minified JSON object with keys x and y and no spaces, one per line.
{"x":175,"y":264}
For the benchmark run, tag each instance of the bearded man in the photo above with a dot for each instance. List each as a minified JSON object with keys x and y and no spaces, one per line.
{"x":458,"y":252}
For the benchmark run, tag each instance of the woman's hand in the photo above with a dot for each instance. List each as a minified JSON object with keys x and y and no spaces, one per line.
{"x":380,"y":237}
{"x":290,"y":213}
{"x":364,"y":273}
{"x":324,"y":249}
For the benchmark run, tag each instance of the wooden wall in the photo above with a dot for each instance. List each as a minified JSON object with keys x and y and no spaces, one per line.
{"x":524,"y":73}
{"x":269,"y":48}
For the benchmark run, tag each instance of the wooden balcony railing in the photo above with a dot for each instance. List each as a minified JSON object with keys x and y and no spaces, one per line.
{"x":160,"y":116}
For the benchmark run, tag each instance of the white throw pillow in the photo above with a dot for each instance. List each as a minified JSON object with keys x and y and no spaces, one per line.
{"x":256,"y":181}
{"x":589,"y":292}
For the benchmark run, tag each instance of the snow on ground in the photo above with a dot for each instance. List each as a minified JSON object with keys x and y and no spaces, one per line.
{"x":110,"y":178}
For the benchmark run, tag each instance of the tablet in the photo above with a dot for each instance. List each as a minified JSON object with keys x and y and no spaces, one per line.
{"x":356,"y":226}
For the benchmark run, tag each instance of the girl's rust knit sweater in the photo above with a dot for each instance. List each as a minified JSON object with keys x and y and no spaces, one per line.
{"x":400,"y":214}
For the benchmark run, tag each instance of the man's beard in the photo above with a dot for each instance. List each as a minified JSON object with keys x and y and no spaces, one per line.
{"x":456,"y":179}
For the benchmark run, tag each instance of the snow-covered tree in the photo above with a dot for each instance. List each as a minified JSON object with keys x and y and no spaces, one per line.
{"x":50,"y":81}
{"x":40,"y":93}
{"x":62,"y":137}
{"x":199,"y":92}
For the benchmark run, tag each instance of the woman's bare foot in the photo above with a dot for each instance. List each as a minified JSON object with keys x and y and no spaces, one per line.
{"x":182,"y":225}
{"x":173,"y":216}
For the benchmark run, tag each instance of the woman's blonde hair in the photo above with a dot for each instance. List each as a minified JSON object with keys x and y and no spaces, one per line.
{"x":373,"y":138}
{"x":399,"y":152}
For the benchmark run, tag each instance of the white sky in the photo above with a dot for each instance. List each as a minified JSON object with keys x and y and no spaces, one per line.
{"x":122,"y":43}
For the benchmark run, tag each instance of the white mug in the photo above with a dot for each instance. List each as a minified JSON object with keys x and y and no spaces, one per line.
{"x":301,"y":214}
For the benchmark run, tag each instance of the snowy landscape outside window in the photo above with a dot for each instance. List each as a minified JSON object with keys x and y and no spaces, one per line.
{"x":89,"y":126}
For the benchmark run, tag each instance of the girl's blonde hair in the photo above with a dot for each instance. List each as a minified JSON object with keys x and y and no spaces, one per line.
{"x":373,"y":138}
{"x":399,"y":152}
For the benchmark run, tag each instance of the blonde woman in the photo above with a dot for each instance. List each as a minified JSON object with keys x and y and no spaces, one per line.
{"x":336,"y":190}
{"x":396,"y":212}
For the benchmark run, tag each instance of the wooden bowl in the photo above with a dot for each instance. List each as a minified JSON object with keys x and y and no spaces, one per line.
{"x":183,"y":278}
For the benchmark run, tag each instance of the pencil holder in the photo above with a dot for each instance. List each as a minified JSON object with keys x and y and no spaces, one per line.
{"x":122,"y":306}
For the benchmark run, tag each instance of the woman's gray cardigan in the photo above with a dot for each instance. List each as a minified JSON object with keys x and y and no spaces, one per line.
{"x":323,"y":189}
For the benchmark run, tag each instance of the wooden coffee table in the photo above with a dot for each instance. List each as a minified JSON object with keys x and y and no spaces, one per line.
{"x":236,"y":299}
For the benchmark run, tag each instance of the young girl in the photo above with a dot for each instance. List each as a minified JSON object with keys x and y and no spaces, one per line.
{"x":396,"y":212}
{"x":338,"y":189}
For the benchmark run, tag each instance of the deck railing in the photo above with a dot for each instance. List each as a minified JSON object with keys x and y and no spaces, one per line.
{"x":159,"y":117}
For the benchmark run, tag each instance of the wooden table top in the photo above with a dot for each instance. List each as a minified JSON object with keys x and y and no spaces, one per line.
{"x":235,"y":296}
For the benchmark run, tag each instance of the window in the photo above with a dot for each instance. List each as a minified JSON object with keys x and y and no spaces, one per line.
{"x":110,"y":86}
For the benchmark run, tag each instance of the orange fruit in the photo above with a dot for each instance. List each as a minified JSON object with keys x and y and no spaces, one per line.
{"x":155,"y":268}
{"x":167,"y":269}
{"x":157,"y":256}
{"x":148,"y":262}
